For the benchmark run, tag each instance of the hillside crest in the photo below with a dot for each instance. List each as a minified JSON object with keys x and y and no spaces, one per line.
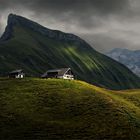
{"x":16,"y":20}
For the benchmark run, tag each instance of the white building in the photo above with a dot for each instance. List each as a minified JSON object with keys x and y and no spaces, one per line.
{"x":63,"y":73}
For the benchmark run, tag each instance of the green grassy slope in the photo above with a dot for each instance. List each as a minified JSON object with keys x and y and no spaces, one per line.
{"x":35,"y":53}
{"x":59,"y":109}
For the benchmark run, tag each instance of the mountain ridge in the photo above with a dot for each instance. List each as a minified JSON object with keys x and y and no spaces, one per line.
{"x":28,"y":48}
{"x":130,"y":58}
{"x":14,"y":20}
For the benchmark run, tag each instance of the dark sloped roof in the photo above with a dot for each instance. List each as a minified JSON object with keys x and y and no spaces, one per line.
{"x":16,"y":71}
{"x":61,"y":71}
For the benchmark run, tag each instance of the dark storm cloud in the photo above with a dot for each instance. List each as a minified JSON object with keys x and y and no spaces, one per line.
{"x":104,"y":42}
{"x":86,"y":13}
{"x":81,"y":12}
{"x":69,"y":8}
{"x":62,"y":5}
{"x":102,"y":6}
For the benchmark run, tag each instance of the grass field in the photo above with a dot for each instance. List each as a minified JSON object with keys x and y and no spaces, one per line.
{"x":40,"y":109}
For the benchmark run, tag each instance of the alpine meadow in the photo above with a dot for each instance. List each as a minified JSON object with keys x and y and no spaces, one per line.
{"x":56,"y":86}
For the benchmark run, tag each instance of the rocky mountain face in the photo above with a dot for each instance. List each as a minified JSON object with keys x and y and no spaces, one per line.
{"x":15,"y":20}
{"x":129,"y":58}
{"x":27,"y":45}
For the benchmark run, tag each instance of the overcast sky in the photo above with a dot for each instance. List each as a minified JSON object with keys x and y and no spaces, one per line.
{"x":105,"y":24}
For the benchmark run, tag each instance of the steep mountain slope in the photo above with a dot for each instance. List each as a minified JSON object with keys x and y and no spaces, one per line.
{"x":129,"y":58}
{"x":34,"y":48}
{"x":33,"y":109}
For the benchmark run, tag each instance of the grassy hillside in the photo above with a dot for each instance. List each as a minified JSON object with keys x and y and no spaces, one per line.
{"x":35,"y":49}
{"x":59,"y":109}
